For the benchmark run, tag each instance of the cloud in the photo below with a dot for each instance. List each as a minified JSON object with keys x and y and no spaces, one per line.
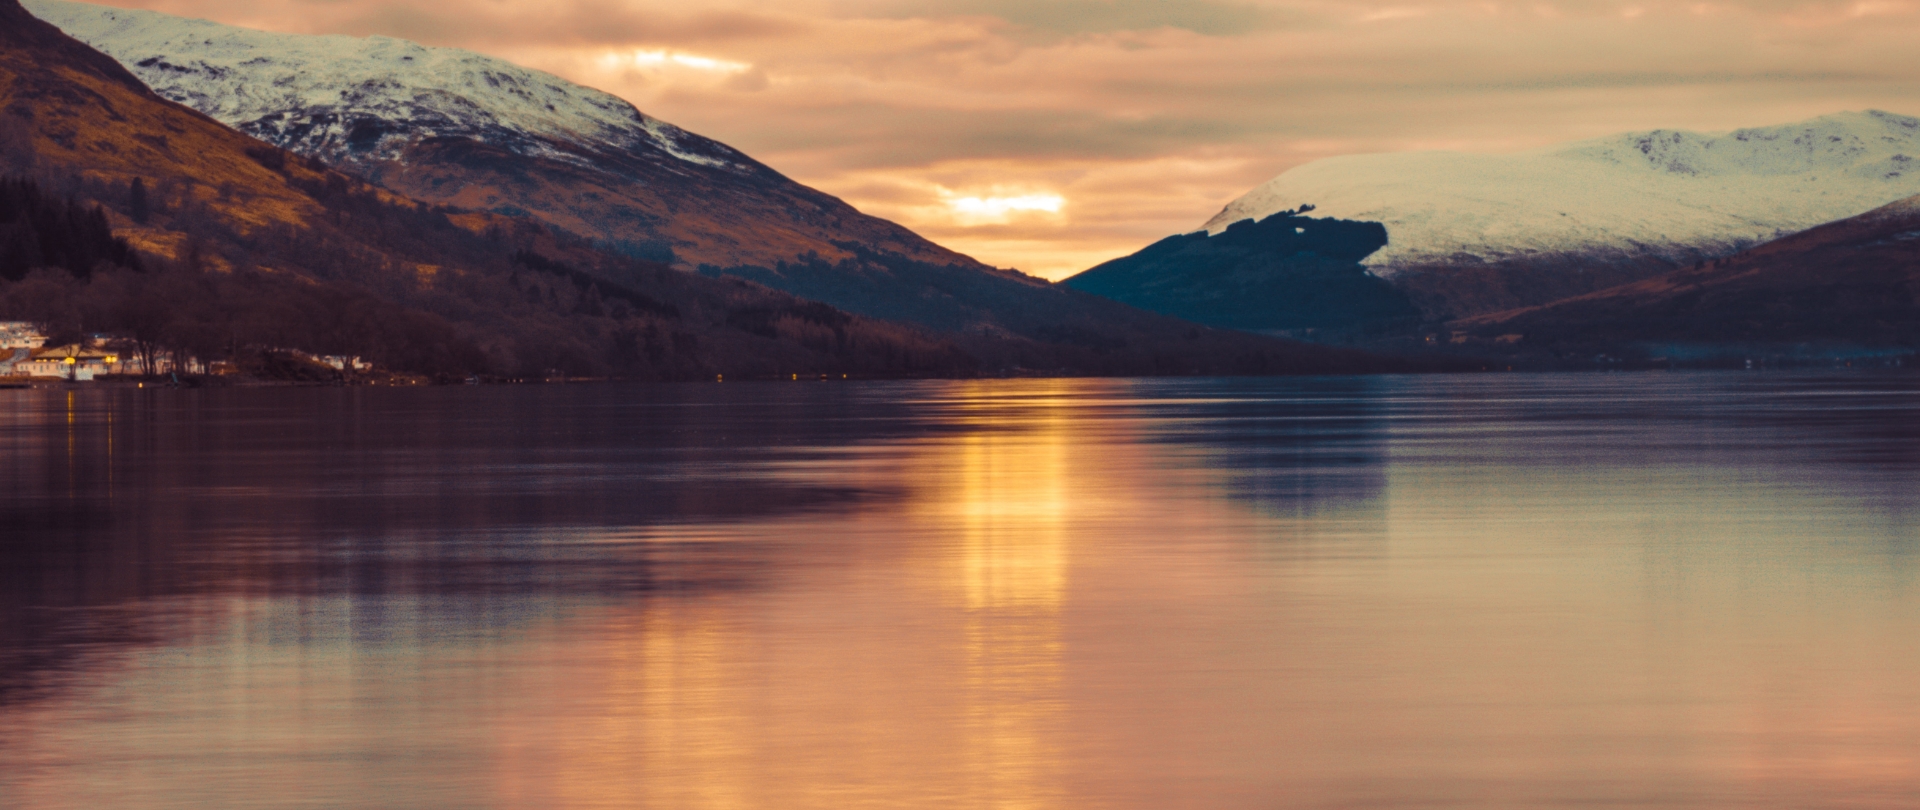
{"x":1144,"y":117}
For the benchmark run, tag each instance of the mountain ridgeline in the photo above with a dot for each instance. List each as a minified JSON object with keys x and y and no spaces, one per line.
{"x":1730,"y":244}
{"x":1286,"y":272}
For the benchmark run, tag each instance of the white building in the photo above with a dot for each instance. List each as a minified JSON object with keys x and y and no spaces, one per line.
{"x":20,"y":335}
{"x":344,"y":363}
{"x":67,"y":363}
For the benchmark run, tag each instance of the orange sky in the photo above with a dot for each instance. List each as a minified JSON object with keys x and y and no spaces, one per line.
{"x":1050,"y":135}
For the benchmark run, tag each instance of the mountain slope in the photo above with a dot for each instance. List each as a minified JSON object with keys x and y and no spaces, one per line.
{"x":1285,"y":272}
{"x":1470,"y":233}
{"x":460,"y":128}
{"x":70,"y":106}
{"x":1855,"y":281}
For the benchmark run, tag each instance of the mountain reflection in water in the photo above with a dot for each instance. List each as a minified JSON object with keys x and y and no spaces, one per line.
{"x":1663,"y":590}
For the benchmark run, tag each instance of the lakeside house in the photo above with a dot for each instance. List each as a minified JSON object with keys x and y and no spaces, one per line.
{"x":12,"y":357}
{"x":71,"y":362}
{"x":18,"y":340}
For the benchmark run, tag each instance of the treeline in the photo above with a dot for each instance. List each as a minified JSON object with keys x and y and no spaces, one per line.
{"x":596,"y":292}
{"x":408,"y":288}
{"x":40,"y":230}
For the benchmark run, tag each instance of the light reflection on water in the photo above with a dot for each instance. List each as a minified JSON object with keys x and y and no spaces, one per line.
{"x":1500,"y":591}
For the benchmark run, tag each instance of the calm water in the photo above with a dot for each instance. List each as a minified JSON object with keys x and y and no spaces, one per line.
{"x":1660,"y":590}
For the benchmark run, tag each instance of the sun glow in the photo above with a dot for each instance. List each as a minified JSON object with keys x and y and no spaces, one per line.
{"x":1002,"y":208}
{"x":644,"y":58}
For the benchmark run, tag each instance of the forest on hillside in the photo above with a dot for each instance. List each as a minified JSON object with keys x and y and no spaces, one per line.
{"x":432,"y":297}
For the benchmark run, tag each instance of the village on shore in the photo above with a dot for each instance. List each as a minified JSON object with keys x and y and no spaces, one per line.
{"x":27,"y":360}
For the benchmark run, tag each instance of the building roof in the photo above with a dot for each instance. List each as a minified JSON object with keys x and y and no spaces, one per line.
{"x":60,"y":353}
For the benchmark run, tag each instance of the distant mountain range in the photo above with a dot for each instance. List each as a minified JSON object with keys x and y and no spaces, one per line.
{"x":520,"y":222}
{"x":450,"y":127}
{"x":1468,"y":234}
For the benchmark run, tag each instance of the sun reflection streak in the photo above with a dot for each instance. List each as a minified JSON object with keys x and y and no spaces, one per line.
{"x":1011,"y":503}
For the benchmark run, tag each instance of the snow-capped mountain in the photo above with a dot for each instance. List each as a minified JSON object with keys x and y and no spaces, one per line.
{"x":468,"y":130}
{"x":352,"y":98}
{"x":1668,"y":196}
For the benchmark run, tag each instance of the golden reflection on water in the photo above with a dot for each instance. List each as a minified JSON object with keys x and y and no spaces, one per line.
{"x":1009,"y":500}
{"x":709,"y":702}
{"x":661,"y":719}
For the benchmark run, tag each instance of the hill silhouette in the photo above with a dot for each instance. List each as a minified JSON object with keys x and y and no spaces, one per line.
{"x":1284,"y":272}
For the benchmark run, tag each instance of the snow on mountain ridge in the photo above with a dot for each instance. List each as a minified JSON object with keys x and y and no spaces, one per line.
{"x":1673,"y":195}
{"x":366,"y":97}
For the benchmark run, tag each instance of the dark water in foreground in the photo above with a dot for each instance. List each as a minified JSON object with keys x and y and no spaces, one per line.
{"x":1661,"y":590}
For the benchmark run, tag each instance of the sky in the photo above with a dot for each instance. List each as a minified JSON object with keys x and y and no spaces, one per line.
{"x":1051,"y":135}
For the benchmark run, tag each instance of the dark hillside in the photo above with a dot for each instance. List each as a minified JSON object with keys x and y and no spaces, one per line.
{"x":1855,"y":282}
{"x":498,"y":303}
{"x":1286,"y":272}
{"x":37,"y":230}
{"x":1014,"y":321}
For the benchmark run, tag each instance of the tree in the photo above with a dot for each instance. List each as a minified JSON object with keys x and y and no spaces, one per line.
{"x":137,"y":201}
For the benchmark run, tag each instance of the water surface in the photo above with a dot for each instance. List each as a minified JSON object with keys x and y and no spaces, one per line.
{"x":1653,"y":590}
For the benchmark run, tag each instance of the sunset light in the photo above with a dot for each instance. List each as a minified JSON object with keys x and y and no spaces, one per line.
{"x":645,"y":58}
{"x":1002,"y":209}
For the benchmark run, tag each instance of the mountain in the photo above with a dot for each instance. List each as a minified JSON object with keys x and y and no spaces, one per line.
{"x":450,"y":127}
{"x":1284,"y":272}
{"x":244,"y":246}
{"x":1851,"y":284}
{"x":459,"y":128}
{"x":1475,"y":233}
